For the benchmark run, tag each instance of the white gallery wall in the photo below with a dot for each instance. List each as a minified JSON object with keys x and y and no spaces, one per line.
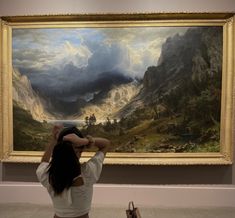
{"x":224,"y":176}
{"x":32,"y":7}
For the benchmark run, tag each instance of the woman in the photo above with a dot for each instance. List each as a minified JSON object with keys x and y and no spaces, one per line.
{"x":69,"y":183}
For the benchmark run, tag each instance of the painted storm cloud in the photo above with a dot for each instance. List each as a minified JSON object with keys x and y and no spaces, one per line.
{"x":71,"y":57}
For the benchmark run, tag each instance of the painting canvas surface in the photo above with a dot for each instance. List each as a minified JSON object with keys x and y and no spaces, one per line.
{"x":147,"y":89}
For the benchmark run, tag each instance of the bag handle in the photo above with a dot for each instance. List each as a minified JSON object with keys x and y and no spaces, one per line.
{"x":131,"y":203}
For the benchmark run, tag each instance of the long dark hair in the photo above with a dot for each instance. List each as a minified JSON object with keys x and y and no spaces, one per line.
{"x":64,"y":165}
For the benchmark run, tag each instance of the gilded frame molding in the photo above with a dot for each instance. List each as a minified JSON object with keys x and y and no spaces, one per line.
{"x":226,"y":20}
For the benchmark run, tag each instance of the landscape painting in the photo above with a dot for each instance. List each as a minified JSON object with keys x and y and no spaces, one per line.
{"x":148,"y":89}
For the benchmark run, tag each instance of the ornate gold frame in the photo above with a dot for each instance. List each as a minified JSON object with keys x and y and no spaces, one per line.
{"x":226,"y":20}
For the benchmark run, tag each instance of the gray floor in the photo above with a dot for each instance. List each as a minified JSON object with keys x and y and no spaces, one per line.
{"x":40,"y":211}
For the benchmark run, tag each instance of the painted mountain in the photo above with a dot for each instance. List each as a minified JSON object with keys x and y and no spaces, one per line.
{"x":157,"y":93}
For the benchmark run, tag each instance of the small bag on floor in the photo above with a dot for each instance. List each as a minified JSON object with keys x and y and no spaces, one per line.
{"x":132,"y":211}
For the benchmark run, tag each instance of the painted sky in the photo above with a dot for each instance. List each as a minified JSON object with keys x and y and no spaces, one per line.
{"x":100,"y":49}
{"x":65,"y":57}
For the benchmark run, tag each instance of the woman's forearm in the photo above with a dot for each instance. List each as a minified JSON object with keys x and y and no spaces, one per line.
{"x":53,"y":140}
{"x":48,"y":151}
{"x":88,"y":141}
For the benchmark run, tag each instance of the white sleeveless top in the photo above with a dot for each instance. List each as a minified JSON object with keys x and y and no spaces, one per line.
{"x":75,"y":201}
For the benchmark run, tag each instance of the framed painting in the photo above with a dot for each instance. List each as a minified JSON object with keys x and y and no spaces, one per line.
{"x":159,"y":86}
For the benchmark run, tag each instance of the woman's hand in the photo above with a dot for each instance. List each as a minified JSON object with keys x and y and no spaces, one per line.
{"x":56,"y":131}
